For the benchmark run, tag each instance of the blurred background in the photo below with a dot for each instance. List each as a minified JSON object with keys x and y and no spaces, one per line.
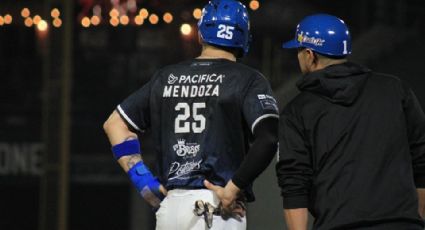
{"x":66,"y":64}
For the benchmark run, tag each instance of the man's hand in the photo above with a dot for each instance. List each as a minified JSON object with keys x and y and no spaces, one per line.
{"x":421,"y":200}
{"x":163,"y":190}
{"x":228,"y":196}
{"x":152,"y":197}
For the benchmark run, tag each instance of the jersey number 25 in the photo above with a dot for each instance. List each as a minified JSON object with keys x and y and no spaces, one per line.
{"x":181,"y":125}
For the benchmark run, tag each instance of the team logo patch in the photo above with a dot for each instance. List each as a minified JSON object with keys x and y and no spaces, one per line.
{"x":184,"y":171}
{"x":172,"y":79}
{"x":184,"y":149}
{"x":303,"y":38}
{"x":267,"y":102}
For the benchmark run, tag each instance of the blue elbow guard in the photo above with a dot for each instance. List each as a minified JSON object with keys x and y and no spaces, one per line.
{"x":126,"y":148}
{"x":146,"y":184}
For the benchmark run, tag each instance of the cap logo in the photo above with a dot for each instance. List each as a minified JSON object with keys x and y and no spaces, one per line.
{"x":303,"y":38}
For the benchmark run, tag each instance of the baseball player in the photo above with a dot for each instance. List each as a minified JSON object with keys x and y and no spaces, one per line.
{"x":214,"y":124}
{"x":352,"y":143}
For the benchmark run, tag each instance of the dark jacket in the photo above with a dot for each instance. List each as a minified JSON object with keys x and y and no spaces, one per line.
{"x":352,"y":149}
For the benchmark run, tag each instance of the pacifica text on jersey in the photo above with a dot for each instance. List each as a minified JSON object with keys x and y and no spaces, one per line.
{"x":202,"y":85}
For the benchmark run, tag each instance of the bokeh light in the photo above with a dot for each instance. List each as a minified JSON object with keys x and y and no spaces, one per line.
{"x":197,"y":13}
{"x":42,"y":25}
{"x":8,"y":19}
{"x":55,"y":13}
{"x":57,"y":22}
{"x":25,"y":12}
{"x":28,"y":22}
{"x":95,"y":20}
{"x":114,"y":21}
{"x":124,"y":20}
{"x":186,"y":29}
{"x":36,"y":19}
{"x":254,"y":5}
{"x":138,"y":20}
{"x":85,"y":22}
{"x":144,"y":13}
{"x":168,"y":17}
{"x":153,"y":19}
{"x":114,"y":13}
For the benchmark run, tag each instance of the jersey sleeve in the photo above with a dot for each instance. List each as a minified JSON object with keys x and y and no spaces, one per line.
{"x":135,"y":109}
{"x":259,"y":102}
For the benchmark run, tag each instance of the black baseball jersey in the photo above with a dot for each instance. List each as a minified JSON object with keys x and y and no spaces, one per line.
{"x":201,"y":113}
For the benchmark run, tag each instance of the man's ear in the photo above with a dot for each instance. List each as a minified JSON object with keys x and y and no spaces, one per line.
{"x":201,"y":42}
{"x":311,"y":57}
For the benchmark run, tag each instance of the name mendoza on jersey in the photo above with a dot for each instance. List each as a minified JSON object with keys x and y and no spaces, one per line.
{"x":186,"y":91}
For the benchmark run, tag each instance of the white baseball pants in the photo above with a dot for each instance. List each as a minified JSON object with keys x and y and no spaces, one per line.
{"x":176,"y":212}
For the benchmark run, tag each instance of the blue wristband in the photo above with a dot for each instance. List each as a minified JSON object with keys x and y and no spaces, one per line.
{"x":144,"y":181}
{"x":126,"y":148}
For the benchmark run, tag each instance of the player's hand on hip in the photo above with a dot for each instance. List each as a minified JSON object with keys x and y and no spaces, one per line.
{"x":227,"y":196}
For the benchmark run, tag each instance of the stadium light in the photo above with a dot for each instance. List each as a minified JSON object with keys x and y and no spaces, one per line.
{"x":197,"y":13}
{"x":42,"y":26}
{"x":168,"y":18}
{"x":85,"y":22}
{"x":25,"y":12}
{"x":254,"y":5}
{"x":153,"y":19}
{"x":55,"y":13}
{"x":186,"y":29}
{"x":138,"y":20}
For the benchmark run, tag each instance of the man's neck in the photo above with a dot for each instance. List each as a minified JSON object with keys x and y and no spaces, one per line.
{"x":210,"y":52}
{"x":328,"y":62}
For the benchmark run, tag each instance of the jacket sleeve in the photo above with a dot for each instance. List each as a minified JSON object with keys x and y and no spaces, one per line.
{"x":415,"y":120}
{"x":260,"y":154}
{"x":294,"y":167}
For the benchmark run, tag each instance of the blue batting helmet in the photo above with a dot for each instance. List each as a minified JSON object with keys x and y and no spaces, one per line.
{"x":225,"y":23}
{"x":324,"y":34}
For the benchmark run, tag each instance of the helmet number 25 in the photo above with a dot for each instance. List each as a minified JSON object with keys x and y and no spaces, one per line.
{"x":225,"y":31}
{"x":181,"y":125}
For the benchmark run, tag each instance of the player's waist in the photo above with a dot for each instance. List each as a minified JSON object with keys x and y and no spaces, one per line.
{"x":190,"y":186}
{"x":199,"y":185}
{"x":192,"y":183}
{"x":191,"y":192}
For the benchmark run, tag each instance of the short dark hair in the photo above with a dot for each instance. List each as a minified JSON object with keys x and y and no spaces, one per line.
{"x":317,"y":54}
{"x":330,"y":56}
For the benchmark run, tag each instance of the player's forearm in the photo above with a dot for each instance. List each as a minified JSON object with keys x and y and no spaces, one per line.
{"x":127,"y":162}
{"x":421,"y":201}
{"x":296,"y":219}
{"x":140,"y":175}
{"x":126,"y":150}
{"x":117,"y":132}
